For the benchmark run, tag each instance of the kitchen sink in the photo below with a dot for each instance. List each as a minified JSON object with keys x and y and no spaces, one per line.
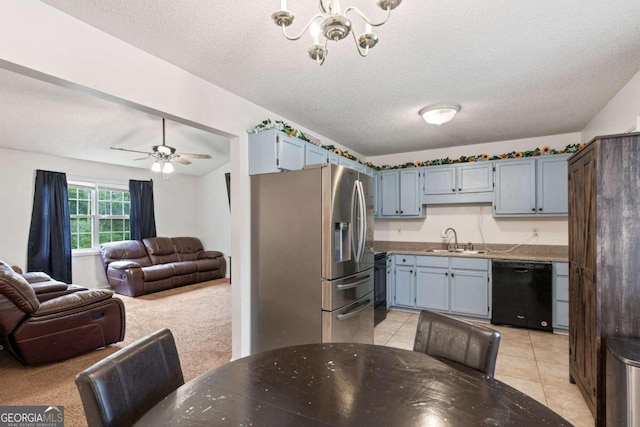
{"x":457,"y":251}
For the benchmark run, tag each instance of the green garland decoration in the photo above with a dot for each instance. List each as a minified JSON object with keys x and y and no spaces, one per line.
{"x":289,"y":130}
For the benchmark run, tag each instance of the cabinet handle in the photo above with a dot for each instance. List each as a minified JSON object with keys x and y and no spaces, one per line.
{"x":453,"y":275}
{"x":446,"y":274}
{"x":459,"y":189}
{"x":533,"y":209}
{"x":453,"y":189}
{"x":401,"y":212}
{"x":410,"y":271}
{"x":540,"y":209}
{"x":396,"y":211}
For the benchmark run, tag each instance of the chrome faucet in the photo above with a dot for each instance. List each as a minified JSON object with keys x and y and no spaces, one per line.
{"x":455,"y":237}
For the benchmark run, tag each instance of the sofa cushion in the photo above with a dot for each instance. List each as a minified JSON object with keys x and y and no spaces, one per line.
{"x":157,"y":272}
{"x":49,"y":286}
{"x":160,"y":250}
{"x":184,"y":267}
{"x":72,"y":301}
{"x":130,"y":250}
{"x":187,"y":248}
{"x":207,"y":264}
{"x":17,"y":289}
{"x":35,"y":276}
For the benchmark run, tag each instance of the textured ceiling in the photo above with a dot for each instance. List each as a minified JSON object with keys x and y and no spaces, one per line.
{"x":518,"y":68}
{"x":41,"y":117}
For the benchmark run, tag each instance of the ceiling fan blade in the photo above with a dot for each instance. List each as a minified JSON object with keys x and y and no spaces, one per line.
{"x":177,"y":159}
{"x":131,"y":151}
{"x":195,"y":156}
{"x":141,"y":158}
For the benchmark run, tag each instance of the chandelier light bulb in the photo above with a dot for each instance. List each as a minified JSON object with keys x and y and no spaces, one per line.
{"x":335,"y":26}
{"x":156,"y":166}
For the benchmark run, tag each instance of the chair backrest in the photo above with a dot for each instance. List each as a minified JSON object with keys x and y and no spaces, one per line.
{"x":121,"y":388}
{"x":463,"y":342}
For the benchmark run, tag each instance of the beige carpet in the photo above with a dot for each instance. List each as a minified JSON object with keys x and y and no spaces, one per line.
{"x":199,"y":316}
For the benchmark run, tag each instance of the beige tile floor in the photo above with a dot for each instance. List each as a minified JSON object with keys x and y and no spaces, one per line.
{"x":536,"y":363}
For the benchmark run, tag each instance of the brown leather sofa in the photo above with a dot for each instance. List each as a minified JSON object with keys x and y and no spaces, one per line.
{"x":137,"y":268}
{"x":74,"y":322}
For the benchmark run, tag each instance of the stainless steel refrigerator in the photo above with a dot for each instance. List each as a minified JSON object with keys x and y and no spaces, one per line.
{"x":312,"y":257}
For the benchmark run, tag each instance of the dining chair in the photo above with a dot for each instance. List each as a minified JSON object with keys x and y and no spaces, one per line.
{"x":122,"y":387}
{"x":457,"y":340}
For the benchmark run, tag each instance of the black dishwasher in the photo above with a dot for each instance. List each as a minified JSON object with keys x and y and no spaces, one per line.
{"x":521,"y":294}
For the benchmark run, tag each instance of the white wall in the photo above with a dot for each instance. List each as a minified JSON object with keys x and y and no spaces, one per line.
{"x":40,"y":41}
{"x":214,"y":214}
{"x":466,"y":219}
{"x":620,"y":114}
{"x":174,"y":199}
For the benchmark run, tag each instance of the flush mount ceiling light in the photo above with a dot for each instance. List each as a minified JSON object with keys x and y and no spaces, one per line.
{"x":438,"y":114}
{"x":333,"y":24}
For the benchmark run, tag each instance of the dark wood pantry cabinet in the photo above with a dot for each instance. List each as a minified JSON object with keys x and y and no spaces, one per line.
{"x":604,"y":257}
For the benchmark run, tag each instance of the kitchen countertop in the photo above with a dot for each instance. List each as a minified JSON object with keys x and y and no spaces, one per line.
{"x":540,"y":253}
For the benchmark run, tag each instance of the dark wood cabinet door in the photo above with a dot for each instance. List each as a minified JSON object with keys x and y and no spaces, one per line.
{"x":583,"y":334}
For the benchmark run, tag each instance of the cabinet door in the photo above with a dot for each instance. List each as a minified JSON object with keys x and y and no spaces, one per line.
{"x":440,"y":180}
{"x":470,"y":292}
{"x":410,"y":203}
{"x":584,"y":342}
{"x":315,"y":155}
{"x":432,"y":288}
{"x":389,"y":189}
{"x":405,"y":286}
{"x":391,"y":281}
{"x":376,"y":197}
{"x":515,"y":192}
{"x":552,"y":186}
{"x":475,"y":178}
{"x":290,"y":153}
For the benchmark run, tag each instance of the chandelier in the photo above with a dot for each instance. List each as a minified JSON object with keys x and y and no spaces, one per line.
{"x":333,"y":24}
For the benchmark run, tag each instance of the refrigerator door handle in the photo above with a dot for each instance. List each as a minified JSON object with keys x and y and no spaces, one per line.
{"x":363,"y":216}
{"x":355,"y":312}
{"x":355,"y":232}
{"x":352,"y":284}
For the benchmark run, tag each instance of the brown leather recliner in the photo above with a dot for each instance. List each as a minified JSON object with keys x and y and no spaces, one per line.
{"x":60,"y":327}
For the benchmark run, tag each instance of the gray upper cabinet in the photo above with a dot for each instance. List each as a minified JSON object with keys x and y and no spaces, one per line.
{"x":315,"y":155}
{"x":400,"y":193}
{"x":532,"y":186}
{"x":461,"y":183}
{"x":273,"y":151}
{"x":552,"y":186}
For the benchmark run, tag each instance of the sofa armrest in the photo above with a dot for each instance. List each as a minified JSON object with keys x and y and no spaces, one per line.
{"x":72,"y":301}
{"x":36,"y":277}
{"x":123,"y":265}
{"x":210,"y":254}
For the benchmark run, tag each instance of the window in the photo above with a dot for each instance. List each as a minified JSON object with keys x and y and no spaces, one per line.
{"x":99,"y":214}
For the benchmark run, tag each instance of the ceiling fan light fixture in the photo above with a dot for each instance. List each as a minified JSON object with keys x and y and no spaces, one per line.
{"x":167,"y":168}
{"x":438,"y":114}
{"x":156,"y":167}
{"x":165,"y":150}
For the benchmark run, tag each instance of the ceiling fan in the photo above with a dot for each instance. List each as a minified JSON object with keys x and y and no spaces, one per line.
{"x":164,"y":155}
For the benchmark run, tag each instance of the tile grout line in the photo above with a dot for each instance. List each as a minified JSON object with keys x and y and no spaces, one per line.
{"x":535,"y":356}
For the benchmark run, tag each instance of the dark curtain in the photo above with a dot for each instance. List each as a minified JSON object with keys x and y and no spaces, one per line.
{"x":49,"y":247}
{"x":142,"y":217}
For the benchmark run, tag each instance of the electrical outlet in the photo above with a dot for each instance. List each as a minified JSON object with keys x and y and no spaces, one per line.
{"x":443,"y":233}
{"x":536,"y":232}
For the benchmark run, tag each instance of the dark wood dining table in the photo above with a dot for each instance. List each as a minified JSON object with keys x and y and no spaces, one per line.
{"x":346,"y":385}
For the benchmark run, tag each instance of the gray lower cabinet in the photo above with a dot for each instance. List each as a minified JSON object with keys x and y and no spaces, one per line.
{"x":447,"y":284}
{"x":561,"y":296}
{"x":391,"y":281}
{"x":405,"y":280}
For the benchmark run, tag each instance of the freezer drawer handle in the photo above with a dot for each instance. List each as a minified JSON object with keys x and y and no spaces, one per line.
{"x":521,"y":270}
{"x":346,"y":316}
{"x":352,"y":284}
{"x":520,"y":317}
